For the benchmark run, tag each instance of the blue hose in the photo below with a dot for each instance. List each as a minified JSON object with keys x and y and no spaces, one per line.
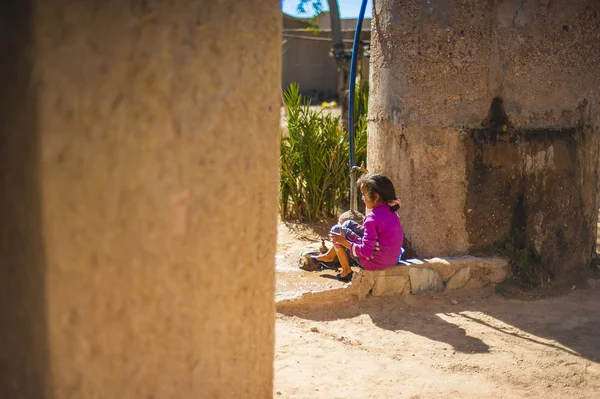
{"x":351,"y":126}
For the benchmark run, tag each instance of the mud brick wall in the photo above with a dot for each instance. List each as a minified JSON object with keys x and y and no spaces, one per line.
{"x":485,"y":114}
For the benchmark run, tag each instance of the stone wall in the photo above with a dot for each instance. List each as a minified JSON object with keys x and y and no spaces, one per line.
{"x":451,"y":149}
{"x":139,"y":158}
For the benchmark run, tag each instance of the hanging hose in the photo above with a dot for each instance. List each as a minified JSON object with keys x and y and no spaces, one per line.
{"x":351,"y":127}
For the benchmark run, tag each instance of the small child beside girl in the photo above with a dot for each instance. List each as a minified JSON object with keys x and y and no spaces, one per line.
{"x":377,"y":243}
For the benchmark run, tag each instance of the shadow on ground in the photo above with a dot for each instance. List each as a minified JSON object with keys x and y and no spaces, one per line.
{"x":311,"y":231}
{"x":569,"y":323}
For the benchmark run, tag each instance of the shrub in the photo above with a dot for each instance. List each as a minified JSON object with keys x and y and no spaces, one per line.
{"x":526,"y":267}
{"x":314,"y":160}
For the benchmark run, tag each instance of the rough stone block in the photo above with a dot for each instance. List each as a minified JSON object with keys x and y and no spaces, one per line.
{"x":424,"y":279}
{"x":487,"y":270}
{"x":392,"y":271}
{"x":390,"y":285}
{"x":492,"y":269}
{"x":445,"y":268}
{"x":477,"y":282}
{"x":437,"y":260}
{"x":498,"y":269}
{"x":459,"y":279}
{"x":362,"y":283}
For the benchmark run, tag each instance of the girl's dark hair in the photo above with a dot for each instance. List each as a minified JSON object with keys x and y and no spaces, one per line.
{"x":381,"y":185}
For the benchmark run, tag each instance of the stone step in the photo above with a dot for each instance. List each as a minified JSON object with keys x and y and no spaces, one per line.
{"x":437,"y":274}
{"x":413,"y":276}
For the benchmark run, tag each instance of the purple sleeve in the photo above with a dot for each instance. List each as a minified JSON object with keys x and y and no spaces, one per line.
{"x":365,"y":247}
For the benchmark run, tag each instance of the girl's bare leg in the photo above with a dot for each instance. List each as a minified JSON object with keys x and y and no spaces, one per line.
{"x":328,"y":256}
{"x":344,"y":261}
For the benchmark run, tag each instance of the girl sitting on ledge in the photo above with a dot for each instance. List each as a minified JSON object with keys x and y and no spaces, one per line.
{"x":376,"y":244}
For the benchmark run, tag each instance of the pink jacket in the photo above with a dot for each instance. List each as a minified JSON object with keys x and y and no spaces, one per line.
{"x":381,"y":244}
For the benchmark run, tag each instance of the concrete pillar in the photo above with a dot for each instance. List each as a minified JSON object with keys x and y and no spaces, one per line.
{"x":139,"y":158}
{"x":469,"y":178}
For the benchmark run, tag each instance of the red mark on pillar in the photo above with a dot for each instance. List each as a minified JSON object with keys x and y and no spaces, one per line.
{"x":179,"y":207}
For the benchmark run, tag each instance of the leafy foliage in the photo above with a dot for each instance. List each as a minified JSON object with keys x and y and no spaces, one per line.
{"x":314,"y":163}
{"x":317,"y":5}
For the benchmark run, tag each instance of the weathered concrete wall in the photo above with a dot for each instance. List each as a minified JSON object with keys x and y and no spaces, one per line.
{"x":140,"y":155}
{"x":437,"y":66}
{"x":527,"y":188}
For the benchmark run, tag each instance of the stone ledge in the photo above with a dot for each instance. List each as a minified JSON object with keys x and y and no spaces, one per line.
{"x":424,"y":276}
{"x":433,"y":275}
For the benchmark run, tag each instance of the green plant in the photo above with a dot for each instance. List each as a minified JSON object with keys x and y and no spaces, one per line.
{"x":525,"y":266}
{"x":317,"y":6}
{"x":361,"y":101}
{"x":504,"y":292}
{"x":314,"y":160}
{"x":361,"y":107}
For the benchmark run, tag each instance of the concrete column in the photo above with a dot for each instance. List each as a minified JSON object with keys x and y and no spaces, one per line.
{"x":419,"y":98}
{"x":471,"y":174}
{"x":139,"y":188}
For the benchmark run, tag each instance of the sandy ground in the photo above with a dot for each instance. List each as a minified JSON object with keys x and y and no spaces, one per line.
{"x":484,"y":346}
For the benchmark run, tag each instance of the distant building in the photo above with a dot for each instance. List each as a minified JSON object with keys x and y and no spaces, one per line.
{"x":306,"y":55}
{"x":349,"y":24}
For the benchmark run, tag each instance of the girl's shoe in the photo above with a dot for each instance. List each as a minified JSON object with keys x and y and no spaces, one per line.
{"x":346,"y":279}
{"x":326,"y":265}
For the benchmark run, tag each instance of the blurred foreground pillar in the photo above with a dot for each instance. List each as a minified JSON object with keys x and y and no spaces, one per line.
{"x":138,"y":198}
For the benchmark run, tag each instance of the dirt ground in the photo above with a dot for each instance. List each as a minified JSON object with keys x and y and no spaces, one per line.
{"x":485,"y":345}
